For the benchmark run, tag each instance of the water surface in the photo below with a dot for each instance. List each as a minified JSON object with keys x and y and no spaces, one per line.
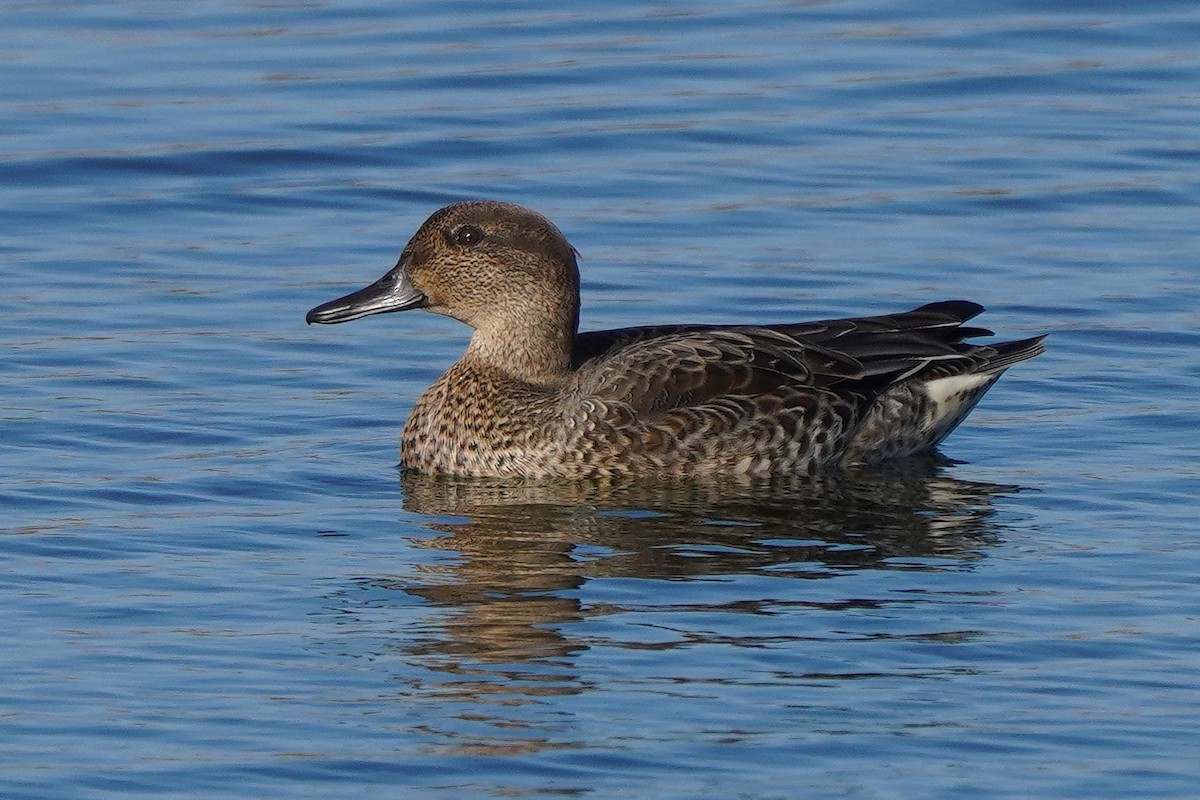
{"x":217,"y":582}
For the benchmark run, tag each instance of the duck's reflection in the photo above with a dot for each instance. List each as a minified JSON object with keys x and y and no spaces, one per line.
{"x":521,"y":535}
{"x":503,"y":632}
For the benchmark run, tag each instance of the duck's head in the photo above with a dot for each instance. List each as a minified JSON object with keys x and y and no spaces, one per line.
{"x":491,"y":265}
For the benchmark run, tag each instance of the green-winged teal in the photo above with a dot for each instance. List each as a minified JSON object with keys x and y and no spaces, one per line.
{"x":534,"y":397}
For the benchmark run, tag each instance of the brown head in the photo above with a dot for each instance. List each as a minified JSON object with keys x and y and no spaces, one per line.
{"x":502,"y":269}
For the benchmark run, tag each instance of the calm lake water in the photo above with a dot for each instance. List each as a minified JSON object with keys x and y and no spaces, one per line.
{"x":217,"y":584}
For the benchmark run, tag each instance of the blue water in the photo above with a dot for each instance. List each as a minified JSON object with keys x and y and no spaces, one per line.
{"x":216,"y":583}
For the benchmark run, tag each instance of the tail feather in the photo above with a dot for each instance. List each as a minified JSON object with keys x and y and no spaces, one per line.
{"x":928,"y":402}
{"x":1009,"y":353}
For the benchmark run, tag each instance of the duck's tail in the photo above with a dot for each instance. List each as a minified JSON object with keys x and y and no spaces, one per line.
{"x":918,"y":412}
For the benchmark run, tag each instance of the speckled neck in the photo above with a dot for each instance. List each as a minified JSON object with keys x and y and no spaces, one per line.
{"x":533,"y":343}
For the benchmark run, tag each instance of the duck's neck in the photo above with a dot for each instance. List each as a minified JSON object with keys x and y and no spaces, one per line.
{"x":534,"y":348}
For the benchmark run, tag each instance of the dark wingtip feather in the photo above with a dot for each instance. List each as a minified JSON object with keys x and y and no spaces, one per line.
{"x":962,"y":310}
{"x":972,"y":332}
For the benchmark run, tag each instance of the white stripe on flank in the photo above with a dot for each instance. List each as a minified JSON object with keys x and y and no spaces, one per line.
{"x":955,"y":387}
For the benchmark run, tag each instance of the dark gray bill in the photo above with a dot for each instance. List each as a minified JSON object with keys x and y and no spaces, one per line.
{"x":392,"y":292}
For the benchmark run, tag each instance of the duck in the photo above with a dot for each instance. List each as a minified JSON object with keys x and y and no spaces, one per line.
{"x":532,"y":397}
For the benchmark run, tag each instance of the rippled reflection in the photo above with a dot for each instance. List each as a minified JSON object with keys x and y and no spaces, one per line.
{"x":503,"y":609}
{"x":863,"y":519}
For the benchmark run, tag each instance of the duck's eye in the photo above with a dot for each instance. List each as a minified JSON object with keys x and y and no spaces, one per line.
{"x":468,"y":236}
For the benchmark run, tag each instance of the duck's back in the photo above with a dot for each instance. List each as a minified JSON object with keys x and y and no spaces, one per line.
{"x":793,"y":397}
